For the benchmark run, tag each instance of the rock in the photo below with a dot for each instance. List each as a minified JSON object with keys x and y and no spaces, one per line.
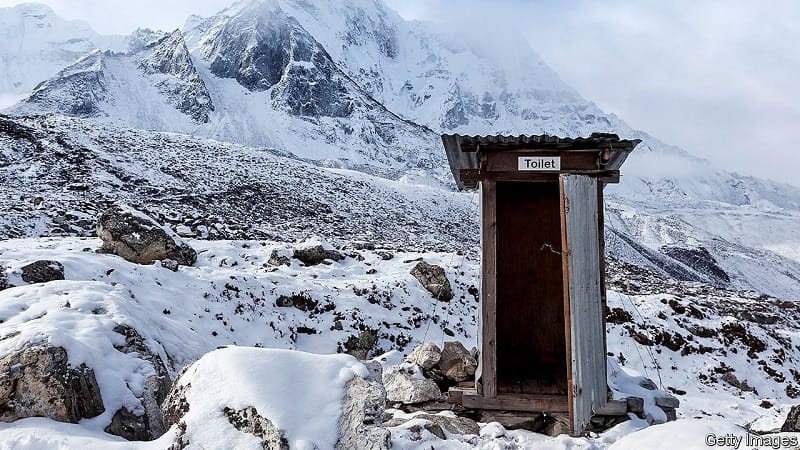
{"x":148,"y":424}
{"x":360,"y":346}
{"x":42,"y":272}
{"x":672,"y":414}
{"x":758,"y":317}
{"x":426,"y":356}
{"x":384,"y":255}
{"x":37,"y":381}
{"x":313,"y":255}
{"x":364,"y":402}
{"x":648,"y":384}
{"x":129,"y":426}
{"x":452,"y":424}
{"x":140,"y":239}
{"x":170,"y":264}
{"x":635,"y":405}
{"x":434,"y":429}
{"x":792,"y":422}
{"x":3,"y":279}
{"x":248,"y":420}
{"x":434,"y":279}
{"x":277,"y":259}
{"x":405,"y":384}
{"x":175,"y":406}
{"x":416,"y":429}
{"x":301,"y":301}
{"x":457,"y":364}
{"x":742,"y":385}
{"x":361,"y":406}
{"x":558,"y":426}
{"x":667,"y":402}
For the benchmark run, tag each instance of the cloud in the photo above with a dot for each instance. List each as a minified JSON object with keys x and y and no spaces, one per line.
{"x":717,"y":77}
{"x":124,"y":16}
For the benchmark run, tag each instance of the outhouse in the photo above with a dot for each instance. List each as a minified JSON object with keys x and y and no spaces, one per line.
{"x":543,"y":340}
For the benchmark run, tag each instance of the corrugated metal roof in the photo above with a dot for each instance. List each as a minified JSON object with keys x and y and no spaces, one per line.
{"x":594,"y":138}
{"x":461,"y":149}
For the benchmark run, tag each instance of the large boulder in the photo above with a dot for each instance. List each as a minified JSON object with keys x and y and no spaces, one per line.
{"x":426,"y":356}
{"x":792,"y":422}
{"x":456,"y":363}
{"x":42,"y":272}
{"x":38,"y":381}
{"x":315,"y":252}
{"x":343,"y":395}
{"x":145,"y":424}
{"x":364,"y":402}
{"x":434,"y":279}
{"x":406,"y":384}
{"x":140,"y":239}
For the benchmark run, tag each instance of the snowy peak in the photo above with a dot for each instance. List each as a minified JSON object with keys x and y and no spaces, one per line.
{"x":78,"y":90}
{"x":35,"y":44}
{"x":169,"y":61}
{"x":263,"y":48}
{"x":101,"y":84}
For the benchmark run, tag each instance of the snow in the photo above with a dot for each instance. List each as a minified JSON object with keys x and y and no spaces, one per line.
{"x":45,"y":434}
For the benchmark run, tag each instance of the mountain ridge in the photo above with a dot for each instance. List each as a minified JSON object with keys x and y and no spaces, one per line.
{"x":312,"y":81}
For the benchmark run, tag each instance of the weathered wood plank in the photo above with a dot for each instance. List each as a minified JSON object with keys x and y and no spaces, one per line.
{"x":488,"y":369}
{"x":606,"y":176}
{"x":517,"y":402}
{"x":471,"y":175}
{"x":509,"y":161}
{"x":587,"y":333}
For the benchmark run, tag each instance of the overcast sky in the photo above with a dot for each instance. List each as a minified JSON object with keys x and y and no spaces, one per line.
{"x":720,"y":78}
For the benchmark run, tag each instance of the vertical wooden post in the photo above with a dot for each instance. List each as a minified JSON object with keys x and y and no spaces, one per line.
{"x":489,"y":288}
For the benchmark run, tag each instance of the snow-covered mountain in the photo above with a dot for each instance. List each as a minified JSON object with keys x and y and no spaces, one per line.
{"x":36,"y":44}
{"x":351,"y":84}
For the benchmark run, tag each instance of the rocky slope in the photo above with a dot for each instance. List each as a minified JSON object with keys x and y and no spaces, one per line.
{"x":350,"y":84}
{"x":728,"y":356}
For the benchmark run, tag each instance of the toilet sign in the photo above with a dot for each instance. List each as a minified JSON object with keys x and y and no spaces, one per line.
{"x":540,"y":163}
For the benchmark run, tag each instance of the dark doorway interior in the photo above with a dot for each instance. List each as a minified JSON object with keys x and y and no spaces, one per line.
{"x":531,"y":344}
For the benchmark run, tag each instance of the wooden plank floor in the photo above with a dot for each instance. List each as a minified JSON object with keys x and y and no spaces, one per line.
{"x":469,"y":398}
{"x":533,"y":386}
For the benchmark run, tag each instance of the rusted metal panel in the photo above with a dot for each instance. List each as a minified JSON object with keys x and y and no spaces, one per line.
{"x":581,"y":247}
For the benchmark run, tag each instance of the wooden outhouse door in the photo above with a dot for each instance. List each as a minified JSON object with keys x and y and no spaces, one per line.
{"x":581,"y":256}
